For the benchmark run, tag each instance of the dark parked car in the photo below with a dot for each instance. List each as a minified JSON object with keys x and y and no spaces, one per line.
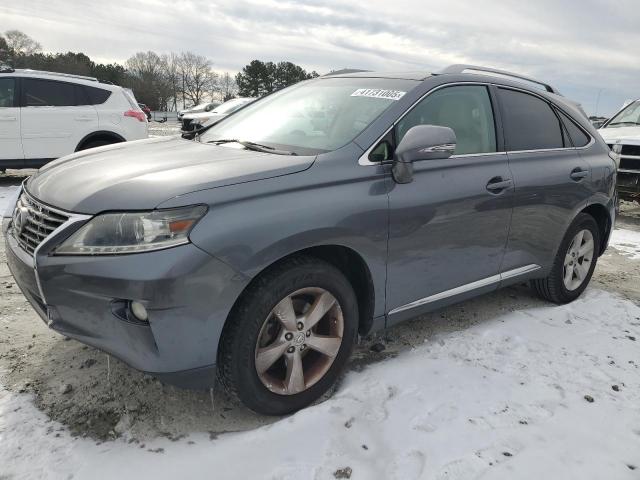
{"x":146,"y":110}
{"x":332,"y":208}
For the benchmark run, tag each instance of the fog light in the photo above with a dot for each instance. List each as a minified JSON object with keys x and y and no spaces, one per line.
{"x":139,"y":311}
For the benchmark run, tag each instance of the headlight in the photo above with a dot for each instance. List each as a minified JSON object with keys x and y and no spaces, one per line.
{"x":117,"y":233}
{"x":616,"y":150}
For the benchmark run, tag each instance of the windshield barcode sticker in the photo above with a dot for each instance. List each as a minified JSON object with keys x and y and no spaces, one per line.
{"x":378,"y":93}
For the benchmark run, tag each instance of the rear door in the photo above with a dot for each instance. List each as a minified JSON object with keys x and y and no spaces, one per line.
{"x":56,"y":115}
{"x":551,"y":179}
{"x":449,"y":226}
{"x":10,"y":142}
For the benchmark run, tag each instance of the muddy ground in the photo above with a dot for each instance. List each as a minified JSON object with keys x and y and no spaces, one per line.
{"x":97,"y":396}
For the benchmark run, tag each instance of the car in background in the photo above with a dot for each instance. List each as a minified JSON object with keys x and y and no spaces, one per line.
{"x":202,"y":107}
{"x":622,"y":134}
{"x":46,"y":115}
{"x":192,"y":121}
{"x":146,"y":110}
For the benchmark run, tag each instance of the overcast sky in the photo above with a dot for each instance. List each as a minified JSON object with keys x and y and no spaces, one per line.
{"x":583,"y":47}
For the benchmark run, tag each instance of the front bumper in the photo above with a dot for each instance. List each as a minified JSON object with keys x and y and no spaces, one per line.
{"x":188,"y":295}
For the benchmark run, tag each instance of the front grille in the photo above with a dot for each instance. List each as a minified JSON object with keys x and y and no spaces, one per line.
{"x":630,"y":163}
{"x":32,"y":222}
{"x":631,"y":150}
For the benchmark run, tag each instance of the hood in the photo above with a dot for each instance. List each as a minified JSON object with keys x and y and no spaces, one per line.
{"x":615,"y":134}
{"x":204,"y":116}
{"x":140,"y":175}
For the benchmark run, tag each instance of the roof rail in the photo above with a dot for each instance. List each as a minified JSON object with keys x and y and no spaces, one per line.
{"x":344,"y":71}
{"x":459,"y":68}
{"x":57,"y":74}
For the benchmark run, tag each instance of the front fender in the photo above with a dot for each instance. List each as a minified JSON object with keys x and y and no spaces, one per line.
{"x":252,"y":226}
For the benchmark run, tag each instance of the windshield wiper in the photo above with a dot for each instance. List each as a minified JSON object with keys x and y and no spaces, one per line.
{"x":253,"y":146}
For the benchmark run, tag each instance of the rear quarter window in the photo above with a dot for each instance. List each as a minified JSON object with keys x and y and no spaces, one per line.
{"x":577,"y":136}
{"x":529,"y":122}
{"x":96,"y":96}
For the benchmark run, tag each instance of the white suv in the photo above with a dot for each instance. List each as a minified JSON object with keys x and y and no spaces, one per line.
{"x":46,"y":115}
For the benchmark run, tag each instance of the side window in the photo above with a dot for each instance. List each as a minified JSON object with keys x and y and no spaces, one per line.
{"x":7,"y":92}
{"x":529,"y":122}
{"x":97,"y":96}
{"x":578,"y":137}
{"x":465,"y":109}
{"x":39,"y":93}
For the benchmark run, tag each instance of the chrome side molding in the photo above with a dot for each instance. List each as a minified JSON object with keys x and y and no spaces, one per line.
{"x":468,"y":287}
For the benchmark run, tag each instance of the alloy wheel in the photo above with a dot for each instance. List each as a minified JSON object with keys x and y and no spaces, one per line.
{"x":578,"y":260}
{"x":299,"y":341}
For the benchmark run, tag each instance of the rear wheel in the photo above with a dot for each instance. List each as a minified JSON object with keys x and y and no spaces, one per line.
{"x":289,"y":337}
{"x":97,"y":143}
{"x":574,"y":263}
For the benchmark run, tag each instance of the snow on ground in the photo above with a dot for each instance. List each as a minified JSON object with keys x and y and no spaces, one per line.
{"x":502,"y":400}
{"x":6,"y":197}
{"x":160,"y":129}
{"x":627,"y":242}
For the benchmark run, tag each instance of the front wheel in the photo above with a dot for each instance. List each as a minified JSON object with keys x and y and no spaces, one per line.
{"x":289,"y":336}
{"x":574,"y":263}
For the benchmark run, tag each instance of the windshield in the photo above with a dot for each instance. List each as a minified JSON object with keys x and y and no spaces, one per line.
{"x":232,"y":105}
{"x":312,"y":117}
{"x":629,"y":116}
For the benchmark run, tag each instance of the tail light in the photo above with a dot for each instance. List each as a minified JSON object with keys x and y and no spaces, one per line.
{"x":139,"y":114}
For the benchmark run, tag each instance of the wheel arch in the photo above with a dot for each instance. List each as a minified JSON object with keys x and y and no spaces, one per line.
{"x":602,"y":217}
{"x":99,"y":135}
{"x":350,"y":263}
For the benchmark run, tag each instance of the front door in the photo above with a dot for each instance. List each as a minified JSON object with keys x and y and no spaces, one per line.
{"x":449,"y":226}
{"x":10,"y":142}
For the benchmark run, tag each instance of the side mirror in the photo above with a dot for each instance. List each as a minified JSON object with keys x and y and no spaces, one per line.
{"x":422,"y":142}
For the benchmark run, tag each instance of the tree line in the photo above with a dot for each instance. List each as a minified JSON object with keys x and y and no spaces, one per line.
{"x":162,"y":81}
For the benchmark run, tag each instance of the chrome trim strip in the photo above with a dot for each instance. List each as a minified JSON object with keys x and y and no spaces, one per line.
{"x":468,"y":287}
{"x":588,"y":145}
{"x":364,"y":158}
{"x":519,"y":271}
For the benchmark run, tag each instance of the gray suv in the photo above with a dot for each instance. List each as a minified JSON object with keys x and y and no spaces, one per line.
{"x":258,"y":251}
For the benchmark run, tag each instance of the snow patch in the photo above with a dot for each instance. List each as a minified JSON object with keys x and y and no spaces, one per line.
{"x":627,"y":242}
{"x":503,"y":399}
{"x":6,"y":196}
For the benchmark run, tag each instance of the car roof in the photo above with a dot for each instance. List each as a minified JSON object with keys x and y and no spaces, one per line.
{"x":68,"y":77}
{"x":410,"y":75}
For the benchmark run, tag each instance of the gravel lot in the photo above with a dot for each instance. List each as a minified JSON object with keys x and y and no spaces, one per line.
{"x":99,"y":397}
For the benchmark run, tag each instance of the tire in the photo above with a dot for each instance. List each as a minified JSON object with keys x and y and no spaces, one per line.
{"x":309,"y":283}
{"x":97,"y":143}
{"x":562,"y":286}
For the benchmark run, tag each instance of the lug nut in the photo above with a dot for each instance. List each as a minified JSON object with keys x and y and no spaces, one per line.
{"x":288,"y":336}
{"x":291,"y":349}
{"x":303,"y":346}
{"x":308,"y":333}
{"x":300,"y":325}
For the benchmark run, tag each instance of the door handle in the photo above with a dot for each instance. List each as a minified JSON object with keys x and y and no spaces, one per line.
{"x":578,"y":174}
{"x":84,"y":118}
{"x":8,"y":118}
{"x":498,"y":184}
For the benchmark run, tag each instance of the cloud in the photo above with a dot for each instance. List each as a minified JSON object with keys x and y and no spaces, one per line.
{"x":587,"y":48}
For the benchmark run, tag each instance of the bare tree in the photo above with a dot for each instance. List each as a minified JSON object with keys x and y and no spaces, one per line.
{"x":173,"y":75}
{"x":226,"y":87}
{"x":198,"y":78}
{"x":149,"y":79}
{"x":21,"y":43}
